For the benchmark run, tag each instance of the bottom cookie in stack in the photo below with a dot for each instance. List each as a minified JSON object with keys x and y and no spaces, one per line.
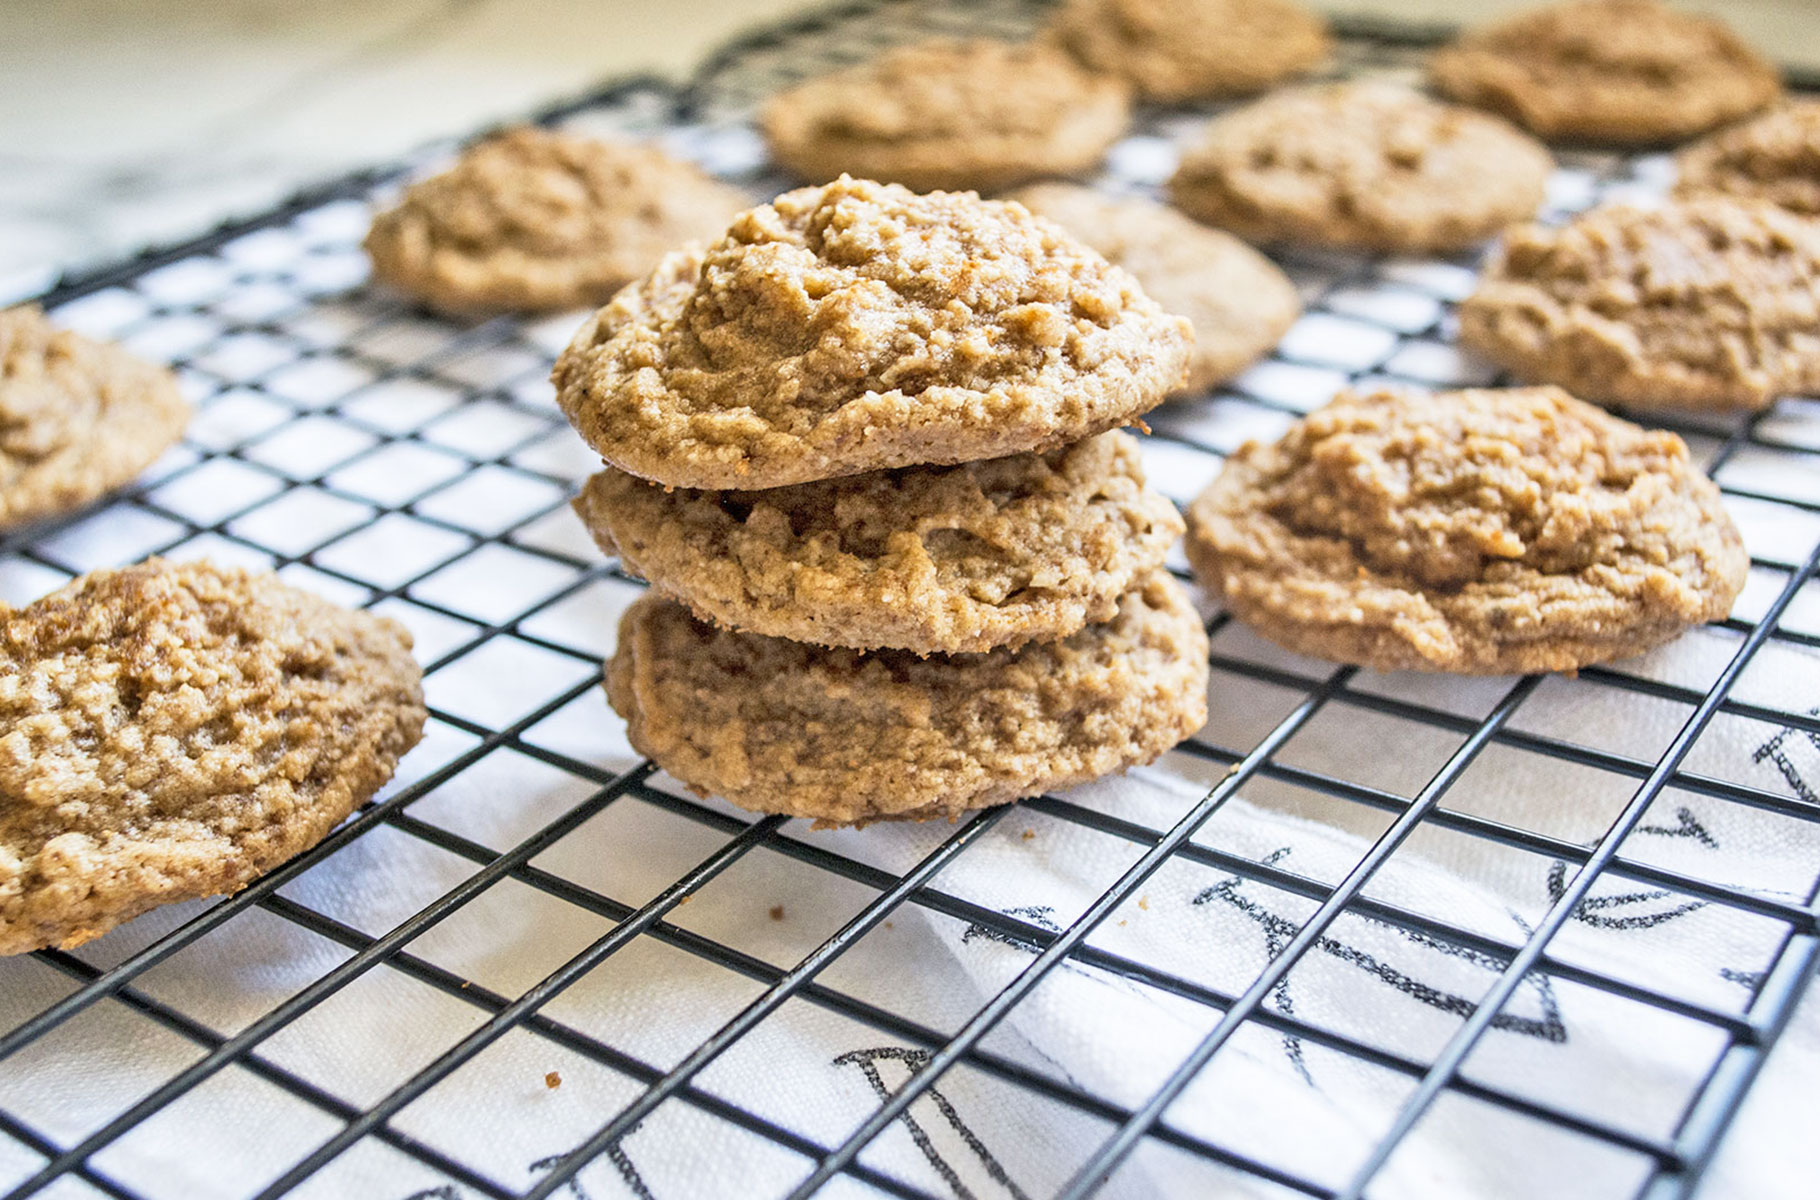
{"x":846,"y":737}
{"x":908,"y":643}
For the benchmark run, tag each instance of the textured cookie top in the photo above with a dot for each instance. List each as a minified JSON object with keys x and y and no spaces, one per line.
{"x":979,"y":114}
{"x":1238,"y":301}
{"x":859,"y":326}
{"x":847,"y":738}
{"x":171,"y":731}
{"x":1484,"y":531}
{"x":1774,"y":157}
{"x":1174,"y":50}
{"x":1705,"y":303}
{"x":535,"y":219}
{"x":928,"y":559}
{"x":1368,"y":164}
{"x":1618,"y":71}
{"x":78,"y":418}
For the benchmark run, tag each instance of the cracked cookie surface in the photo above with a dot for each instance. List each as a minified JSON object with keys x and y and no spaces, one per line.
{"x":1239,"y":302}
{"x":1367,"y":164}
{"x":1704,"y":303}
{"x":860,"y":326}
{"x":1176,"y":50}
{"x":846,"y":738}
{"x":927,"y":559}
{"x":1483,"y":532}
{"x":1774,"y":157}
{"x":78,"y":418}
{"x":536,"y":219}
{"x":174,"y":731}
{"x":980,"y":114}
{"x":1619,"y":72}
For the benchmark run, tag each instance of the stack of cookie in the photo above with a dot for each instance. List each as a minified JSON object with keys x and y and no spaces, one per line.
{"x":864,"y":447}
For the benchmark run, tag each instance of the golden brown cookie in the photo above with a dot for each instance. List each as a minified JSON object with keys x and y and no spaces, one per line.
{"x":1485,"y":532}
{"x":1774,"y":157}
{"x":1369,"y":164}
{"x":1706,"y":303}
{"x":1176,"y":50}
{"x":927,"y":559}
{"x":173,"y":731}
{"x":979,"y":114}
{"x":1620,"y":72}
{"x":859,"y":326}
{"x":846,"y":738}
{"x":1238,"y":301}
{"x":78,"y":418}
{"x":535,"y":219}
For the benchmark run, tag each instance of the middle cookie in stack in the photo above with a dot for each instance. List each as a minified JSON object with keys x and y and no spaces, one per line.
{"x":874,"y":423}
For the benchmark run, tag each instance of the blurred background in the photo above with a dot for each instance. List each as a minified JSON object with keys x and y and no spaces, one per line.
{"x":126,"y":123}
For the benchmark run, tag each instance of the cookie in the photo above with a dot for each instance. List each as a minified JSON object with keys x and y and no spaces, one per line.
{"x":944,"y":114}
{"x":534,"y":219}
{"x":78,"y":418}
{"x":1238,"y":301}
{"x":927,"y":559}
{"x":1176,"y":50}
{"x":173,"y":731}
{"x":1706,"y":303}
{"x":859,"y":326}
{"x":1774,"y":157}
{"x":847,"y":738}
{"x":1369,"y":165}
{"x":1616,"y":72}
{"x":1485,"y":532}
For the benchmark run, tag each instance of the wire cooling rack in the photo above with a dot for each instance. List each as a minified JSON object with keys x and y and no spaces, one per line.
{"x":312,"y":1034}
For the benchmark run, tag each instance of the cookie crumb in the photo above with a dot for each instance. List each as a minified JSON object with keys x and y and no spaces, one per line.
{"x":777,"y":912}
{"x":1028,"y":834}
{"x":552,"y":1080}
{"x":1144,"y":903}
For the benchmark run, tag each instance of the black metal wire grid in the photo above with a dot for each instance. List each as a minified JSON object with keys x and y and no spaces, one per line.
{"x":267,"y":322}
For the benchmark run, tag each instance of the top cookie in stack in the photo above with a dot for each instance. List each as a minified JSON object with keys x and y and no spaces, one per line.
{"x":875,"y":423}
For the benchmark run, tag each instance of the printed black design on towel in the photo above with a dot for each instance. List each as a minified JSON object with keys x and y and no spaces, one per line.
{"x":1279,"y":931}
{"x":1593,"y":909}
{"x":1036,"y":914}
{"x":1775,"y":749}
{"x":1750,"y":980}
{"x":1686,"y":825}
{"x":867,"y":1061}
{"x":445,"y":1192}
{"x":616,"y":1155}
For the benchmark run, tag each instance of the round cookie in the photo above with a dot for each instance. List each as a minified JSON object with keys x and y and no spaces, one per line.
{"x":1176,"y":50}
{"x":78,"y":418}
{"x":1482,"y":532}
{"x":1369,"y":165}
{"x":859,"y":326}
{"x":1239,"y":302}
{"x":173,"y":731}
{"x":847,"y":738}
{"x":1618,"y":72}
{"x":535,"y":219}
{"x":1774,"y":157}
{"x":927,"y":559}
{"x":979,"y":114}
{"x":1706,"y":303}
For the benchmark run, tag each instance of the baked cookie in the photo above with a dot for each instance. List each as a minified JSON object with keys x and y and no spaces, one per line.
{"x":1368,"y":164}
{"x":859,"y":326}
{"x":1176,"y":50}
{"x":1238,"y":301}
{"x":1619,"y":72}
{"x":1774,"y":157}
{"x":979,"y":114}
{"x":78,"y":418}
{"x":534,"y":219}
{"x":847,"y":738}
{"x":927,"y":559}
{"x":1706,"y":303}
{"x":173,"y":731}
{"x":1486,"y":532}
